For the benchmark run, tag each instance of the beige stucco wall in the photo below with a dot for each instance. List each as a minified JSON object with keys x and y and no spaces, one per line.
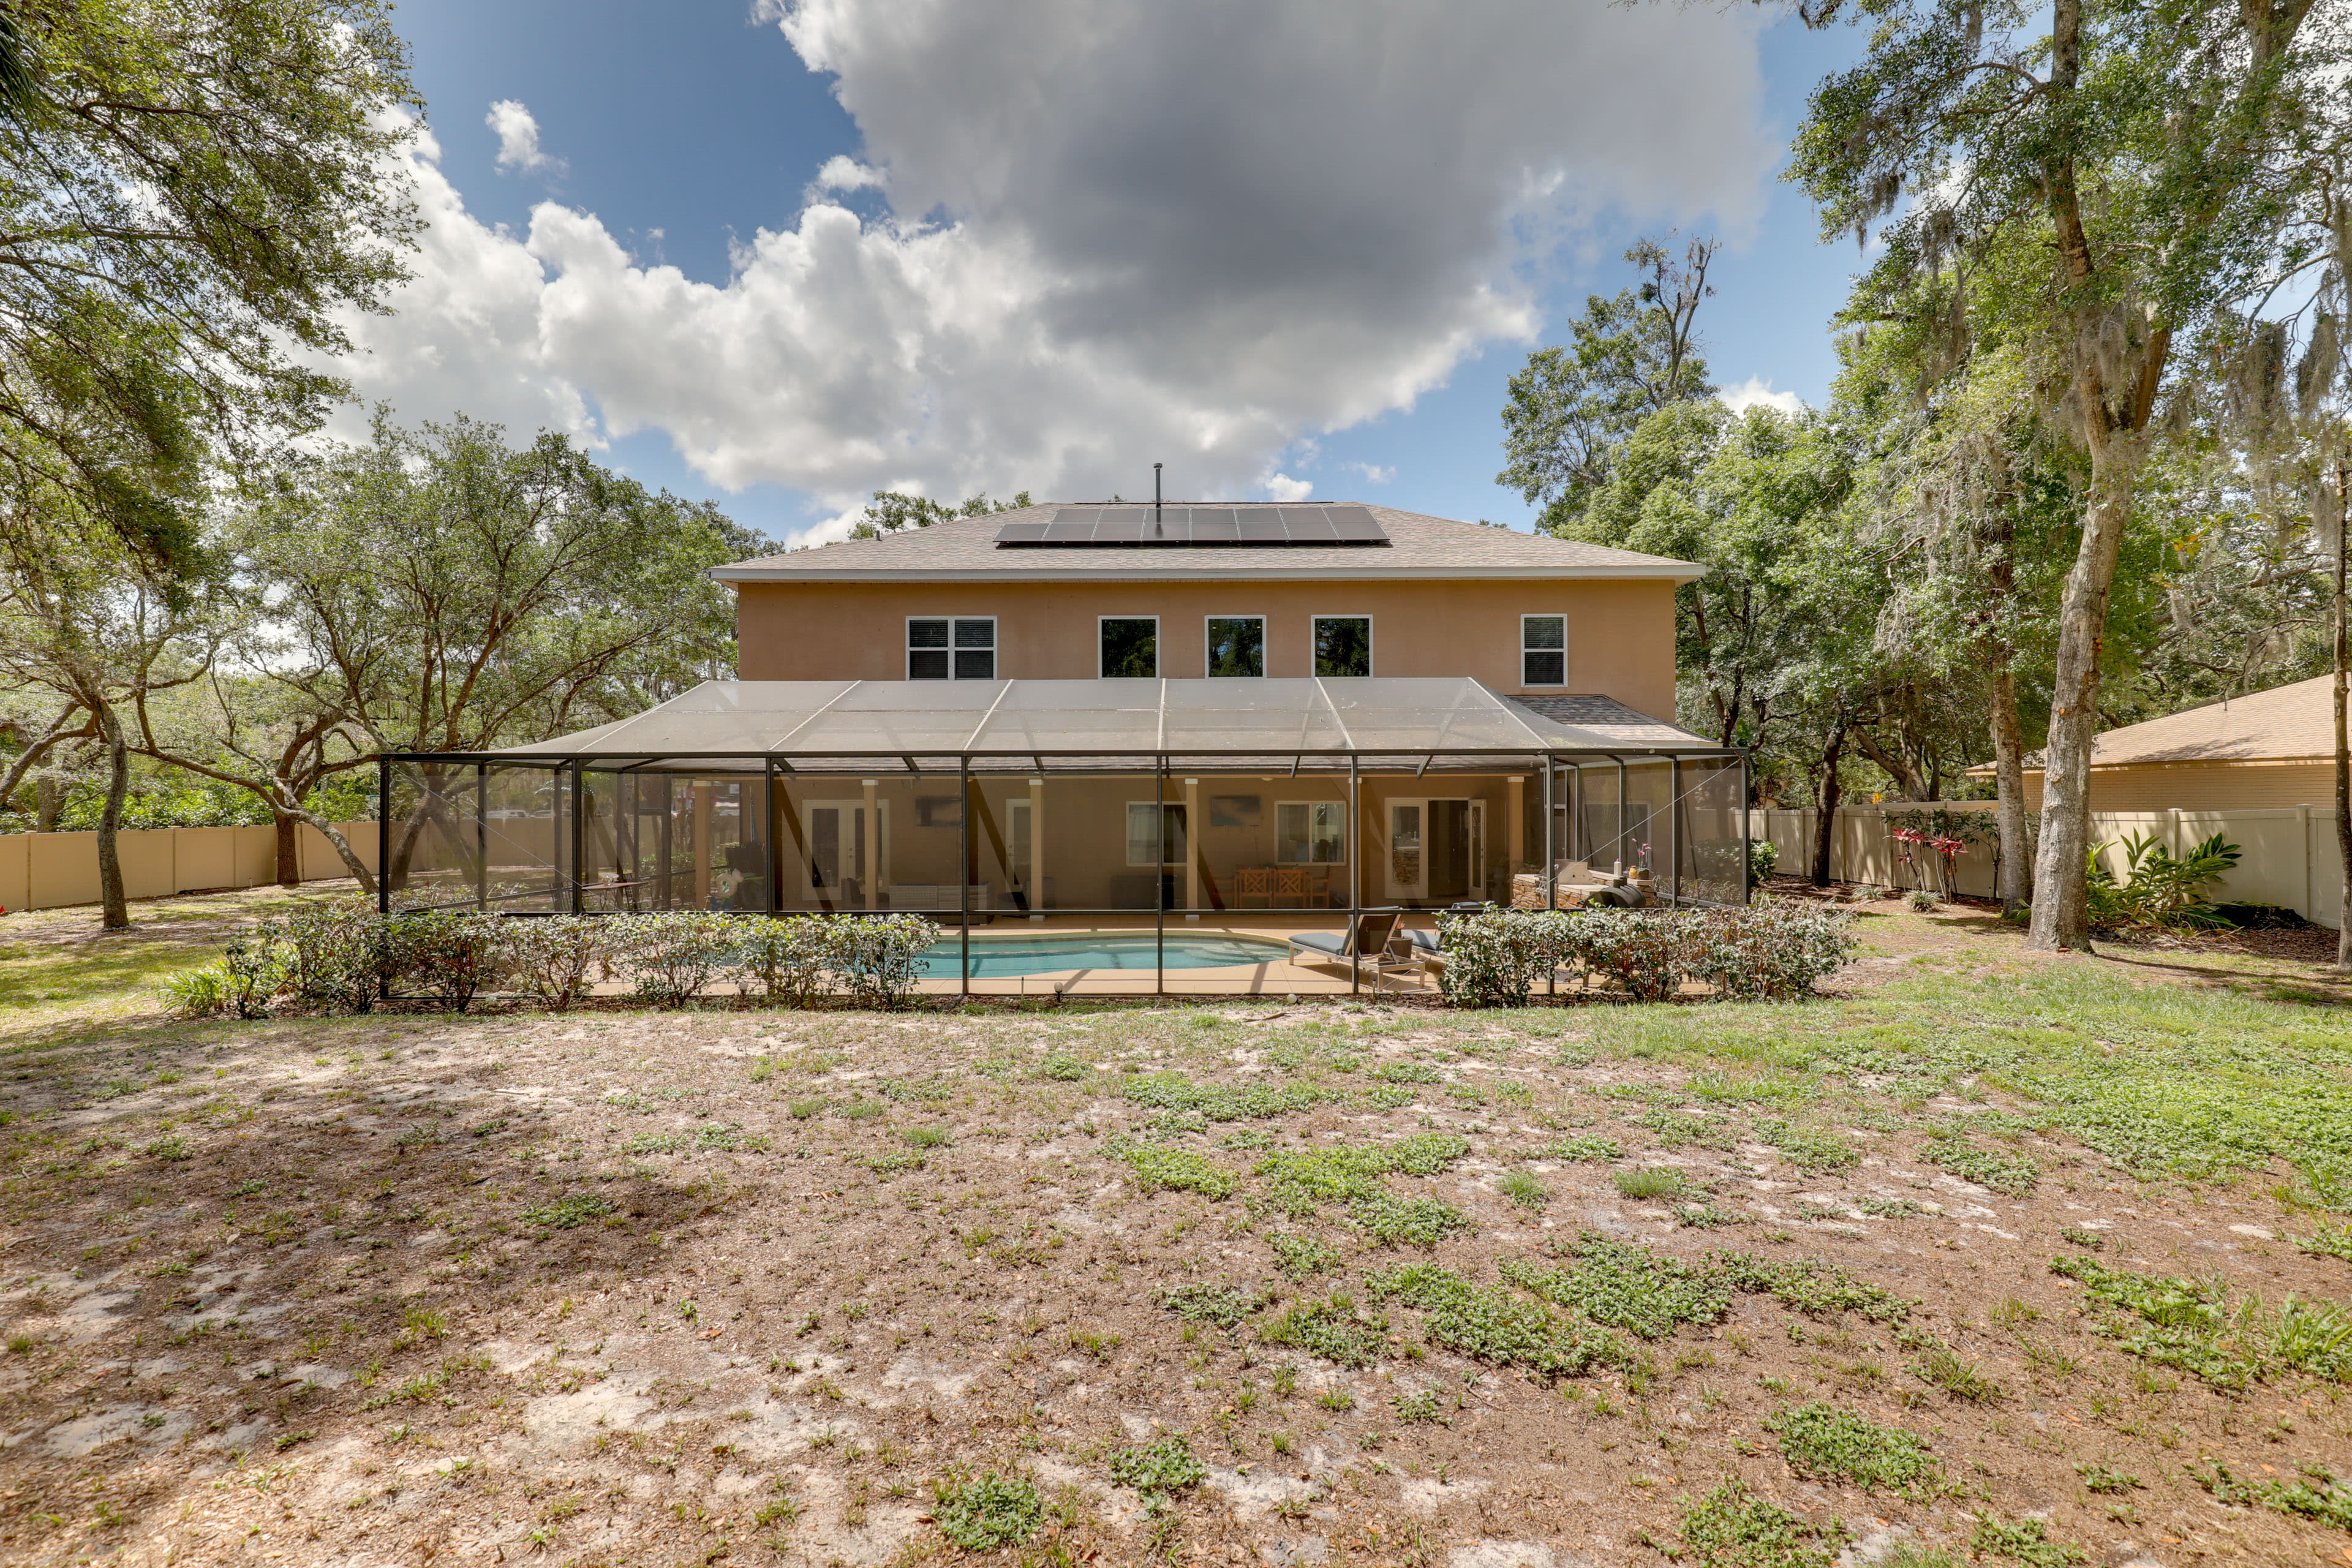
{"x":1621,"y":635}
{"x":2203,"y":786}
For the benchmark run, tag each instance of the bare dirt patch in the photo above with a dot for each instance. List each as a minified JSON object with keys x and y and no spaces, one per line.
{"x":1408,"y":1286}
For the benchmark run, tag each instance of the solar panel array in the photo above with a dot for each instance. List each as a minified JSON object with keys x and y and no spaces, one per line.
{"x":1194,"y":528}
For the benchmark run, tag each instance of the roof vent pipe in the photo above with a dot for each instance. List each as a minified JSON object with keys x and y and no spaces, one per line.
{"x":1155,"y":501}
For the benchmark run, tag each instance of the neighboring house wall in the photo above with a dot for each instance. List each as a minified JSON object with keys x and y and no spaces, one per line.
{"x":1621,"y":634}
{"x":2289,"y":856}
{"x":2203,"y":786}
{"x":52,"y":871}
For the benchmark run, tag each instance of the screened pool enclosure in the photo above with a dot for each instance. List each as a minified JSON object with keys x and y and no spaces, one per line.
{"x":1052,"y":826}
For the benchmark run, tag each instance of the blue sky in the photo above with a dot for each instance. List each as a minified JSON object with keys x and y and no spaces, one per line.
{"x":684,"y":130}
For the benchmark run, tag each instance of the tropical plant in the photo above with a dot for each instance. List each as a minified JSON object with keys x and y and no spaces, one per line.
{"x":2158,"y":889}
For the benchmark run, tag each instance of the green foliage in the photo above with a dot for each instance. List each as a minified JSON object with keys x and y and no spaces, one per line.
{"x":1810,"y":1149}
{"x":1419,"y":1405}
{"x":790,"y":959}
{"x":1303,"y":1257}
{"x":1062,"y":1068}
{"x":1332,"y":1328}
{"x":205,"y":992}
{"x":1158,"y":1168}
{"x":2011,"y":1173}
{"x":2025,"y":1541}
{"x":1224,"y":1304}
{"x":2315,"y":1495}
{"x":1494,"y":1325}
{"x":572,"y":1209}
{"x":452,"y":954}
{"x":1159,"y":1469}
{"x":1299,"y":1182}
{"x":1652,"y":1184}
{"x":1938,"y":1365}
{"x":1222,"y":1102}
{"x":981,"y":1513}
{"x":2098,"y":1478}
{"x":1584,"y":1147}
{"x":1627,"y":1286}
{"x":2159,"y":889}
{"x":1524,"y":1188}
{"x":2193,"y":1325}
{"x":555,"y":960}
{"x":1731,"y":1527}
{"x":1827,"y":1444}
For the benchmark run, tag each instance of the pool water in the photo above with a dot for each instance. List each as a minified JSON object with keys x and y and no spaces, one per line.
{"x":1001,"y":957}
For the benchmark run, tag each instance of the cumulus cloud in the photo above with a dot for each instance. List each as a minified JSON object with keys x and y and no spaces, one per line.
{"x":1376,"y":473}
{"x":519,"y":139}
{"x":846,"y":173}
{"x":1282,"y":486}
{"x":1115,"y":231}
{"x":1755,"y":391}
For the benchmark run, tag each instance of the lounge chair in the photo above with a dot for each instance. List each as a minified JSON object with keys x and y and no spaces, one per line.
{"x":1368,"y":936}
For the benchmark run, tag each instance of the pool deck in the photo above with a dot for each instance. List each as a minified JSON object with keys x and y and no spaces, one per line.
{"x":1278,"y":978}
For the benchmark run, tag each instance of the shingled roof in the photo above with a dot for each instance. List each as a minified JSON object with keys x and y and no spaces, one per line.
{"x":1419,"y":546}
{"x":2284,"y":724}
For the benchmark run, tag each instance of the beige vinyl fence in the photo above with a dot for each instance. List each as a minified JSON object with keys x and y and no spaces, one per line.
{"x":2288,"y":853}
{"x":50,"y":870}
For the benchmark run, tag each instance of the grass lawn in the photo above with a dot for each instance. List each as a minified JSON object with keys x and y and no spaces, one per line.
{"x":1984,"y":1257}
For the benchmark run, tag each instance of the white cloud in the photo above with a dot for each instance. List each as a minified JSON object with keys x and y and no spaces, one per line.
{"x":847,"y":173}
{"x":519,"y":139}
{"x":1117,"y":232}
{"x":1756,"y":390}
{"x":1374,"y":473}
{"x":1282,"y":486}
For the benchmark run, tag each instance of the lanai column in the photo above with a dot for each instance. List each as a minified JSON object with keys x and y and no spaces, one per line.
{"x":699,"y":793}
{"x":1191,"y":849}
{"x":1037,"y":850}
{"x":872,"y":837}
{"x":1517,"y":831}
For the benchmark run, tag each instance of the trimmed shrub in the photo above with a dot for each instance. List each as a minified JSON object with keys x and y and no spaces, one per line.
{"x":1493,"y":958}
{"x":551,"y":959}
{"x":336,"y":954}
{"x":454,"y":954}
{"x":880,"y":957}
{"x":1772,"y":948}
{"x":673,"y":957}
{"x":791,"y":958}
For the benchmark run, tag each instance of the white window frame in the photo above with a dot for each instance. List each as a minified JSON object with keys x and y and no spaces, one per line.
{"x":995,"y":648}
{"x":1166,"y":839}
{"x":1562,"y":650}
{"x":1310,"y":808}
{"x":1264,"y":653}
{"x":1100,"y":674}
{"x":1371,"y":645}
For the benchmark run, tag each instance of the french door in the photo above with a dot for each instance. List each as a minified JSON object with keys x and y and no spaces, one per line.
{"x":1437,"y":850}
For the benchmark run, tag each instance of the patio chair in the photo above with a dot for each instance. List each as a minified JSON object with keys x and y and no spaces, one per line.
{"x":1254,"y":882}
{"x":1292,"y":886}
{"x":1368,"y":936}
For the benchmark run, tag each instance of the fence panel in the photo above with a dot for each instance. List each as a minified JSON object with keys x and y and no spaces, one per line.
{"x":2287,"y":854}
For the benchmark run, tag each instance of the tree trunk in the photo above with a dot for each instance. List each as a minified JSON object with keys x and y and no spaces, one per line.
{"x":2343,"y":750}
{"x":49,"y":799}
{"x":2061,"y":893}
{"x":117,"y":910}
{"x":289,"y":849}
{"x":2009,"y":785}
{"x":344,"y":851}
{"x":1825,"y":833}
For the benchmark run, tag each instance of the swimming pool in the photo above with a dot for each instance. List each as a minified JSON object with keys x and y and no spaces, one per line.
{"x":1052,"y":952}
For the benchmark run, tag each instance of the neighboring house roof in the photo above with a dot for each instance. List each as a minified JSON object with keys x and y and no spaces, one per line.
{"x":1019,"y":719}
{"x":2285,"y":723}
{"x":1419,"y":546}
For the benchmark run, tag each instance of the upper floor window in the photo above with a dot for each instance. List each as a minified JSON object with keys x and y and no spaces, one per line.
{"x":1236,"y":645}
{"x":1543,"y":650}
{"x":1343,"y":645}
{"x":1130,"y":645}
{"x":951,"y":647}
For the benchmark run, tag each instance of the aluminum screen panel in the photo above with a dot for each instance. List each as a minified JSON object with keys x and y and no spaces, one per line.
{"x":931,"y":719}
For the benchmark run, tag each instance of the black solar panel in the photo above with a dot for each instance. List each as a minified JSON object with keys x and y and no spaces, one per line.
{"x":1194,"y":527}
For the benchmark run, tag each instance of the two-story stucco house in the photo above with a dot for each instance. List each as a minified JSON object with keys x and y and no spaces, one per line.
{"x":1243,"y":715}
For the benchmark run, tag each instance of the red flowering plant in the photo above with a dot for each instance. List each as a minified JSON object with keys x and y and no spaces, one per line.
{"x":1930,"y":843}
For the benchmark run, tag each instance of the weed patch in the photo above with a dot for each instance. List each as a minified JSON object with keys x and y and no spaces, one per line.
{"x":1159,"y":1471}
{"x":2011,"y":1173}
{"x":1627,"y":1286}
{"x":983,"y":1512}
{"x":1160,"y":1169}
{"x":1224,"y":1304}
{"x":575,"y":1208}
{"x":2191,"y":1324}
{"x":2315,"y":1495}
{"x":1731,"y":1527}
{"x":1494,"y":1325}
{"x":1827,"y":1444}
{"x":1811,"y":1151}
{"x":1332,"y":1329}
